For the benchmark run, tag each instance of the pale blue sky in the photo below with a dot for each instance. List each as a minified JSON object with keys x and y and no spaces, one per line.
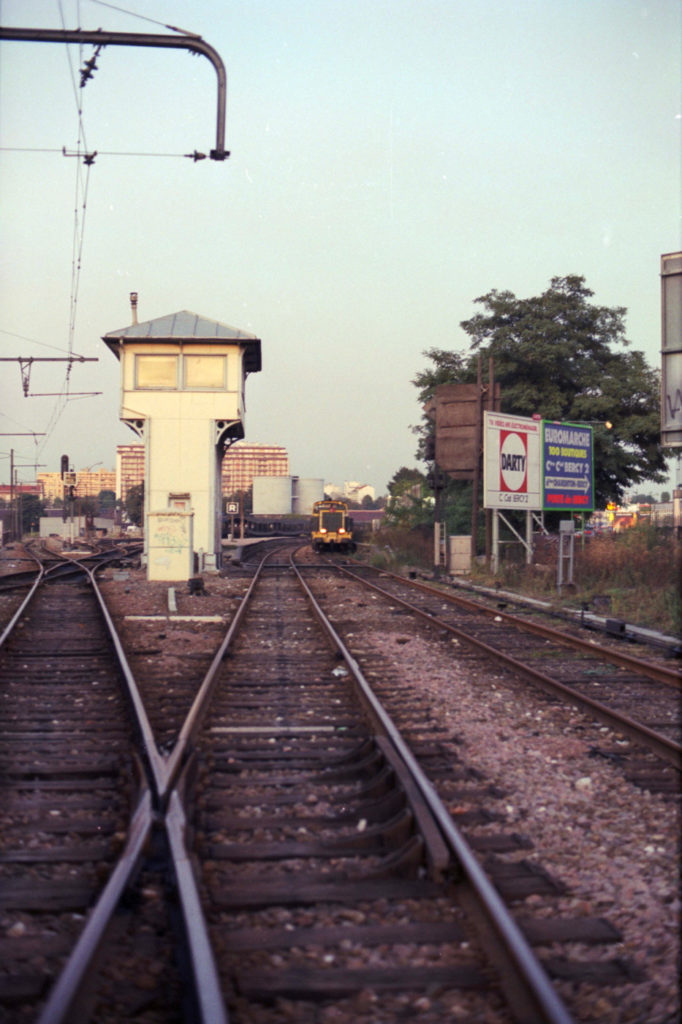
{"x":391,"y":161}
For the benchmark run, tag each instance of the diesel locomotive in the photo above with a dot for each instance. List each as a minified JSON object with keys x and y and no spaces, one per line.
{"x":332,"y":527}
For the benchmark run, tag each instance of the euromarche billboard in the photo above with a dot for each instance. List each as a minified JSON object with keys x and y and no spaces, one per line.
{"x":537,"y":464}
{"x":567,"y":470}
{"x":511,"y":462}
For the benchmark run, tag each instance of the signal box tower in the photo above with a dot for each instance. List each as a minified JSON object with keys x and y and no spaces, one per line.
{"x":182,"y":391}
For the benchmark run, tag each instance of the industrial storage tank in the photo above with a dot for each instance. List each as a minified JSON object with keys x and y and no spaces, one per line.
{"x":272,"y":495}
{"x":305,"y":492}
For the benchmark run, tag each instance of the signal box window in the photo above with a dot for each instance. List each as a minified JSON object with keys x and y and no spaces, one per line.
{"x":156,"y":372}
{"x":205,"y":372}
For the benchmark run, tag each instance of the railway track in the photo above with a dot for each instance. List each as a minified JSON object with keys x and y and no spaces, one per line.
{"x":636,"y":698}
{"x":325,"y":870}
{"x":290,"y":849}
{"x":86,"y":873}
{"x":66,"y":797}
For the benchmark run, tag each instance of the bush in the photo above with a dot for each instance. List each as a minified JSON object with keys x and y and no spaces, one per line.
{"x":634,"y":574}
{"x":640,"y":570}
{"x":393,"y":548}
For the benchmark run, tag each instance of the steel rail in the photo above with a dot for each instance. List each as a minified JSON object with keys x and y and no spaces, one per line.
{"x":660,"y":673}
{"x":204,"y":973}
{"x":207,"y":986}
{"x":174,"y":761}
{"x":540,"y":1003}
{"x":62,"y":1005}
{"x":67,"y":1001}
{"x":666,"y":749}
{"x":24,"y":604}
{"x":153,"y":759}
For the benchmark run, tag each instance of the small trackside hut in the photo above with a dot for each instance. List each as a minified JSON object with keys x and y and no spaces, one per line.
{"x":183,"y":381}
{"x":332,"y":528}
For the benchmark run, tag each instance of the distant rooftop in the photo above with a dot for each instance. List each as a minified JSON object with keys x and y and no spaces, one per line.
{"x":187,"y":326}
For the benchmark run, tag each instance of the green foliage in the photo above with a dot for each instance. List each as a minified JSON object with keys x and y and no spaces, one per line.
{"x":396,"y":548}
{"x":106,"y":500}
{"x":562,"y":357}
{"x":410,"y":510}
{"x":32,"y":508}
{"x":640,"y":569}
{"x":134,"y":504}
{"x":643,"y":499}
{"x":403,"y":480}
{"x":86,"y":506}
{"x":410,"y":501}
{"x":636,"y":572}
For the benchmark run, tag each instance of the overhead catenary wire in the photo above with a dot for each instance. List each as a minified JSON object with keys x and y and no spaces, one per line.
{"x":142,"y":17}
{"x":191,"y":41}
{"x":100,"y":152}
{"x":82,"y":180}
{"x":43,"y":344}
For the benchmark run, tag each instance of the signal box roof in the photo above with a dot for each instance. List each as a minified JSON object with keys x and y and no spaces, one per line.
{"x":187,"y":326}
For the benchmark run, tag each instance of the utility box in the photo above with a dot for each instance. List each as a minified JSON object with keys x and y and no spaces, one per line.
{"x":182,"y":391}
{"x":459,"y":555}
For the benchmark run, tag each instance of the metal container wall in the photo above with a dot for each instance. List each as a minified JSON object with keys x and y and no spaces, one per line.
{"x":306,"y":491}
{"x":272,"y":495}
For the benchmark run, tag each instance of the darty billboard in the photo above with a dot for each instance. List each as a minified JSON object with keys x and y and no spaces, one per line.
{"x":536,"y":464}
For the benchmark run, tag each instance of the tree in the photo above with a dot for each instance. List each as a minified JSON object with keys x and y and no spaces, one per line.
{"x":643,"y":498}
{"x":134,"y":504}
{"x":403,"y":480}
{"x":32,"y":508}
{"x":410,"y":501}
{"x":107,"y":500}
{"x":555,"y":355}
{"x":87,"y":505}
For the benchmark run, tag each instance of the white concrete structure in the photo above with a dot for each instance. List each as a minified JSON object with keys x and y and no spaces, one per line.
{"x":286,"y":495}
{"x":272,"y":495}
{"x":182,"y":392}
{"x":305,"y":492}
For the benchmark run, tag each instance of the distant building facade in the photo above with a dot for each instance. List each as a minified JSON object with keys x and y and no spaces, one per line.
{"x":351,"y":491}
{"x":241,"y":463}
{"x":7,"y":492}
{"x":88,"y":484}
{"x":129,"y":468}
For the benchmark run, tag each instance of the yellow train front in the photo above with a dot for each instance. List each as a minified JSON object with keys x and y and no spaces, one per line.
{"x":332,"y":528}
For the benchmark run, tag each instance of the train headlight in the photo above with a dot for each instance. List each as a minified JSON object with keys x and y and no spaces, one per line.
{"x":323,"y":529}
{"x":341,"y":529}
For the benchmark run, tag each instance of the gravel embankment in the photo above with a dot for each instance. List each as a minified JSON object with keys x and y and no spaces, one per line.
{"x":615,"y":847}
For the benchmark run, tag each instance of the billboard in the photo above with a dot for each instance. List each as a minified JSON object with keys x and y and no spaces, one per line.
{"x":567,"y":467}
{"x":534,"y":464}
{"x":511,"y":462}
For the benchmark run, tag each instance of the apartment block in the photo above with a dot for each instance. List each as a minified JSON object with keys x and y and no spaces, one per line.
{"x":87,"y":485}
{"x":241,"y":463}
{"x":129,"y":468}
